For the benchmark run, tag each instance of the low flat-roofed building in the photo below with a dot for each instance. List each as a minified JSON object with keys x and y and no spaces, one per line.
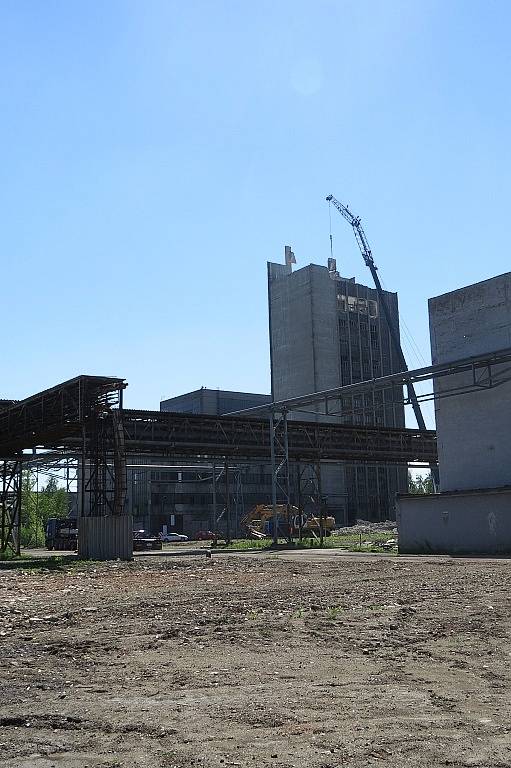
{"x":214,"y":402}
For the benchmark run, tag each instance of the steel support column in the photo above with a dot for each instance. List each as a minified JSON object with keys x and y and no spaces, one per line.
{"x":11,"y":482}
{"x":320,"y":503}
{"x":280,"y":479}
{"x":213,"y":523}
{"x":228,"y":535}
{"x":105,"y":455}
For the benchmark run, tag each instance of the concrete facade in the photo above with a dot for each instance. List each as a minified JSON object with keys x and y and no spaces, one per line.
{"x":474,"y":447}
{"x":472,"y":513}
{"x":213,"y":402}
{"x":304,"y":340}
{"x":460,"y":523}
{"x":327,"y":331}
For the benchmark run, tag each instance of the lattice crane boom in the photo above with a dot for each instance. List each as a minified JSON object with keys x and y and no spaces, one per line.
{"x":368,"y":258}
{"x":357,"y":229}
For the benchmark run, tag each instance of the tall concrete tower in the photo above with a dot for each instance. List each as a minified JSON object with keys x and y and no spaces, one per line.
{"x":327,"y":331}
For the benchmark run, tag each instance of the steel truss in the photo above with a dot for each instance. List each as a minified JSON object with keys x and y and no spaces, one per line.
{"x":222,"y":497}
{"x":85,"y":412}
{"x":177,"y":434}
{"x":280,"y":473}
{"x":52,"y":417}
{"x":310,"y":500}
{"x":103,"y":466}
{"x":482,"y":370}
{"x":11,"y":483}
{"x":227,"y":494}
{"x":483,"y":376}
{"x":305,"y":494}
{"x":84,"y":418}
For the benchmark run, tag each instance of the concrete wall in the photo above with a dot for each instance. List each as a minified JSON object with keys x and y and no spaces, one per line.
{"x":213,"y":402}
{"x":325,"y":332}
{"x":304,"y":336}
{"x":464,"y":523}
{"x":105,"y":538}
{"x":304,"y":344}
{"x":473,"y":430}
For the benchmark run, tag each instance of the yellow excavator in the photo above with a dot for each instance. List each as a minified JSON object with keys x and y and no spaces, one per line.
{"x":258,"y":523}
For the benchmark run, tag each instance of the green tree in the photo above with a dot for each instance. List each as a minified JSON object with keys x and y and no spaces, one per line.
{"x":52,"y":501}
{"x":31,"y":533}
{"x":420,"y":484}
{"x":39,"y":505}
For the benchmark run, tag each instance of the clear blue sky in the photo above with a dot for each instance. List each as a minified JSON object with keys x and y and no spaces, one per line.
{"x":155,"y":155}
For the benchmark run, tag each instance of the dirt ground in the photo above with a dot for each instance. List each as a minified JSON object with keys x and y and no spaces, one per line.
{"x":249,"y":660}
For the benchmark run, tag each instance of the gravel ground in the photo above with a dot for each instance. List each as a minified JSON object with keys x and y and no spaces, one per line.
{"x":257,"y":661}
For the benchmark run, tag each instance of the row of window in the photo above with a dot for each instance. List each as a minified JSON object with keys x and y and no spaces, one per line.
{"x":356,"y":304}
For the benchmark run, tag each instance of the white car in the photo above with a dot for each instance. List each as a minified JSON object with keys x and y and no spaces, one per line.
{"x":173,"y":537}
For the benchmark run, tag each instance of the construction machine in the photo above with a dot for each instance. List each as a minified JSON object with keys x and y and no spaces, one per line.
{"x":62,"y":534}
{"x":259,"y":522}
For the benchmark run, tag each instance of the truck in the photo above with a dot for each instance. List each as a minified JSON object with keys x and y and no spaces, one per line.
{"x":61,"y":533}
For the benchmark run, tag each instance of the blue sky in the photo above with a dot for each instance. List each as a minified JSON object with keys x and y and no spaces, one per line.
{"x":156,"y":154}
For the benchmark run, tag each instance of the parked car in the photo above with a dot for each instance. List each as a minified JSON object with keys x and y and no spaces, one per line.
{"x":144,"y":541}
{"x":207,"y":536}
{"x":173,"y":537}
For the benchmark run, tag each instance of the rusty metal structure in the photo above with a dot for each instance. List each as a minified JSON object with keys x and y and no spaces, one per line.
{"x":486,"y":371}
{"x":83,"y":420}
{"x":85,"y":414}
{"x":177,"y":434}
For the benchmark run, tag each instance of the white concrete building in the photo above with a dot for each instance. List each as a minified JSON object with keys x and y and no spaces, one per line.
{"x":472,"y":513}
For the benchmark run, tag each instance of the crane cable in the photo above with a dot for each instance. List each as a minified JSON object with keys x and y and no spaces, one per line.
{"x":414,"y":351}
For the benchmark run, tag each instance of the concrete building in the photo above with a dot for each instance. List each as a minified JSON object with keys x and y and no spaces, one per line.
{"x":472,"y":513}
{"x":474,"y":448}
{"x":184,"y":495}
{"x":327,"y":331}
{"x":214,"y":402}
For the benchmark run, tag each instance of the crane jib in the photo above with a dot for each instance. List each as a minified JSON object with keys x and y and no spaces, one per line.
{"x":394,"y":331}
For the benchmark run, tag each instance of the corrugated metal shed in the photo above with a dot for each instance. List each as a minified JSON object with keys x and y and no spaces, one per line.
{"x":105,"y":538}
